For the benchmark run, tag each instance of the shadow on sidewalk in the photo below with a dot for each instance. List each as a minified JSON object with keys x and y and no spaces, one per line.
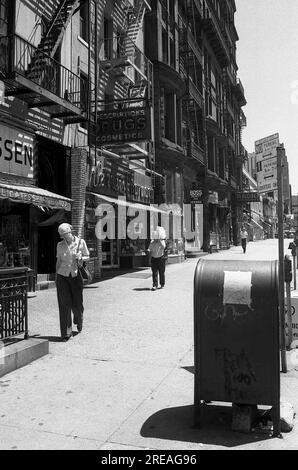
{"x":127,"y":272}
{"x":52,"y":339}
{"x":177,"y":424}
{"x":142,"y":289}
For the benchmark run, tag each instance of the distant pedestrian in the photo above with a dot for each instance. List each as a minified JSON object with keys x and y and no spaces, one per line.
{"x":244,"y":237}
{"x":71,"y":252}
{"x":157,"y":250}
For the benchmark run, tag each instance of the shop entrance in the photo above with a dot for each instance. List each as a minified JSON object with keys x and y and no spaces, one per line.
{"x":110,"y":254}
{"x":47,"y":242}
{"x":54,"y":176}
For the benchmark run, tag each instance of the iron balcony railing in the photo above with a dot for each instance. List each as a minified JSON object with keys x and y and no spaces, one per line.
{"x":18,"y":56}
{"x":13,"y":302}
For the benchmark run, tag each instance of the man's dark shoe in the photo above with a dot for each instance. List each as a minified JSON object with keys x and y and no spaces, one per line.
{"x":80,"y":325}
{"x":65,"y":338}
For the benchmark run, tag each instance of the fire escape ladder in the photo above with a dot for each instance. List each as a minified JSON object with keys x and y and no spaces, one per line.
{"x":135,"y":20}
{"x":141,"y":87}
{"x":41,"y":63}
{"x":53,"y":37}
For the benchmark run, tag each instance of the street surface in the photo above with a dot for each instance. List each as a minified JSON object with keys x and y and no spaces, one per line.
{"x":126,"y":382}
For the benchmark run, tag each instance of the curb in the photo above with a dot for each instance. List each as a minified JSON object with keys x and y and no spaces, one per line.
{"x":20,"y":353}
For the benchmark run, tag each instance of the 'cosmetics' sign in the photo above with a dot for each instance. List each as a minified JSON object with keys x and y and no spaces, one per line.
{"x":119,"y":126}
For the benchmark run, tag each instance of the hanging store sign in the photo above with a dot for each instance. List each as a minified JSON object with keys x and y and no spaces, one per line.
{"x":266,"y":159}
{"x":265,"y":146}
{"x":247,"y":197}
{"x":17,"y":152}
{"x":117,"y":179}
{"x":196,"y":196}
{"x":121,"y":126}
{"x":267,"y":174}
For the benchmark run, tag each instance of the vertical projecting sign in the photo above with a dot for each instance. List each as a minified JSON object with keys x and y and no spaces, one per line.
{"x":266,"y":159}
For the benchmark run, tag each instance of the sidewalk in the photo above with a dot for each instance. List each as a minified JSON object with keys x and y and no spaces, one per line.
{"x":126,"y":381}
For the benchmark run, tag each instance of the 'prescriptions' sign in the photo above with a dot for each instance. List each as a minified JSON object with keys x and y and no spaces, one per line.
{"x":121,"y":126}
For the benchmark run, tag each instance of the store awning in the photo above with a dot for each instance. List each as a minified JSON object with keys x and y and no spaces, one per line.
{"x":34,"y":195}
{"x":256,"y":223}
{"x":124,"y":202}
{"x":58,"y":217}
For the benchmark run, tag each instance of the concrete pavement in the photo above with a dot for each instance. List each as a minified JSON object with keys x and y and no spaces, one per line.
{"x":126,"y":381}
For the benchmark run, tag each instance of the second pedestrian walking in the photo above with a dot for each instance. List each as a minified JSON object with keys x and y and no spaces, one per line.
{"x":158,"y":262}
{"x":244,"y":237}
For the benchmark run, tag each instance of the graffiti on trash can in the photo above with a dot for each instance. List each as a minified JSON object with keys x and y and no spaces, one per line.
{"x":238,"y":372}
{"x":214,"y":311}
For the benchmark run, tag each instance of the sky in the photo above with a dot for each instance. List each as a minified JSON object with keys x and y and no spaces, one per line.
{"x":267,"y":57}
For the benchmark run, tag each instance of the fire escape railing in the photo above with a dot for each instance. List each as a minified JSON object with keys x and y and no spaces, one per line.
{"x":121,"y":53}
{"x":21,"y":57}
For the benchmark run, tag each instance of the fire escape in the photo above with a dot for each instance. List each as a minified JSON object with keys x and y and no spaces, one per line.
{"x":191,"y":68}
{"x":213,"y":28}
{"x":132,"y":72}
{"x":35,"y":74}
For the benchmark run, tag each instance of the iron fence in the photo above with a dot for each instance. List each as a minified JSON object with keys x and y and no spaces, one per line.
{"x":13,"y":302}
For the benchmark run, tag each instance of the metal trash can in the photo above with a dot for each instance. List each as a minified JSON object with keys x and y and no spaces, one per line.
{"x":236,"y":334}
{"x":13,"y":302}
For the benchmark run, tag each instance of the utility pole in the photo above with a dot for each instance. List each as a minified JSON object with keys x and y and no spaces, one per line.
{"x":294,"y":271}
{"x":281,"y":277}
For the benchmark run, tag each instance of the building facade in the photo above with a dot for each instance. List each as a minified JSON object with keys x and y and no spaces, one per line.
{"x":70,"y":71}
{"x":109,"y":107}
{"x":43,"y":106}
{"x":198,"y":101}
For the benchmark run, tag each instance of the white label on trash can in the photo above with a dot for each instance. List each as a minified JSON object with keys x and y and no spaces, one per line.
{"x":237,"y":288}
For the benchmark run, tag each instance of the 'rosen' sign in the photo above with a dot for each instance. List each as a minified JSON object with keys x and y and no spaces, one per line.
{"x":16,"y":152}
{"x":120,"y":126}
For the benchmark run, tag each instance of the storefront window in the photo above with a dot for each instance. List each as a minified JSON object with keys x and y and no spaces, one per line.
{"x":137,"y":240}
{"x":14,"y":234}
{"x":175,"y":247}
{"x":134,"y":247}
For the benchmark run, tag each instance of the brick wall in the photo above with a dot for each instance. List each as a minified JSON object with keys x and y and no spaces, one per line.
{"x":79,"y":173}
{"x":78,"y":188}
